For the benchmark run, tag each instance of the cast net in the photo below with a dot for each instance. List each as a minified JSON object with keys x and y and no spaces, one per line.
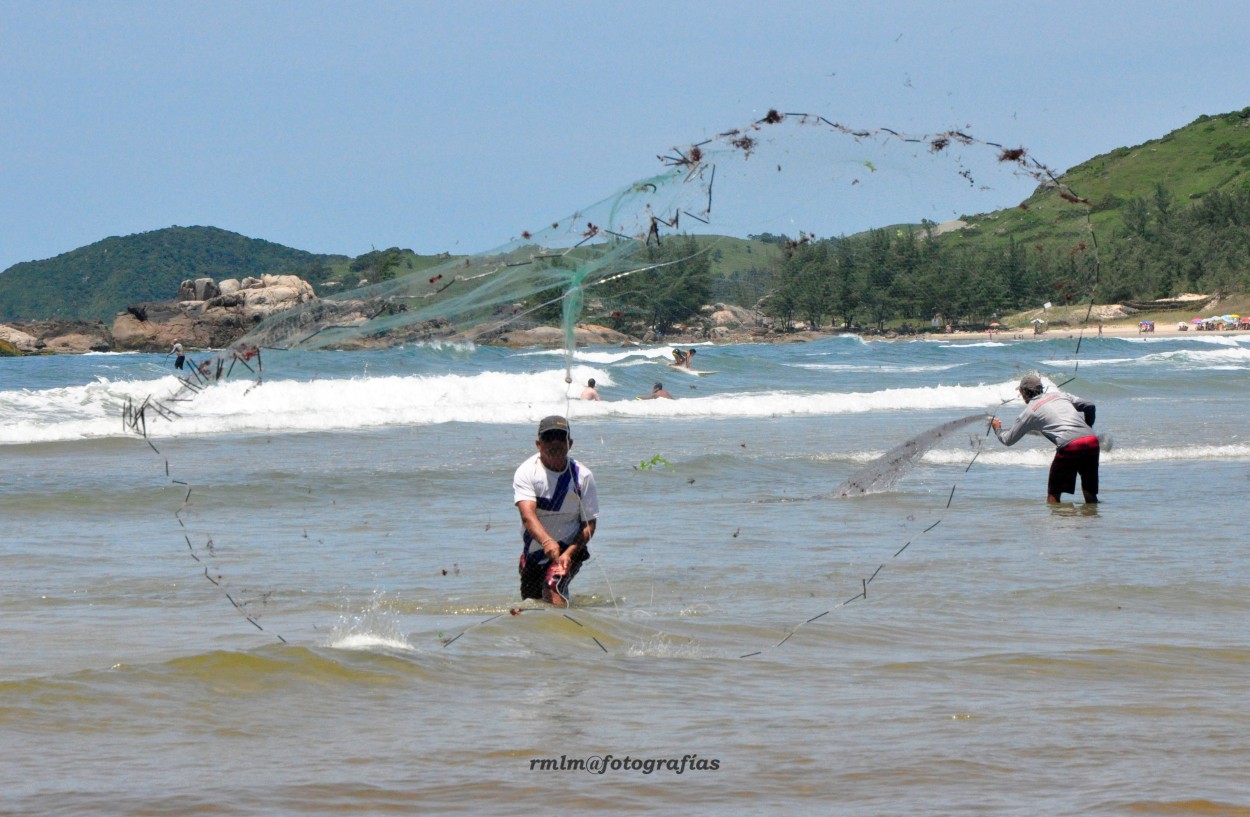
{"x":873,"y":229}
{"x":793,"y":177}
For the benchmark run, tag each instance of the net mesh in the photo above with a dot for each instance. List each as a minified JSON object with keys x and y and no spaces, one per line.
{"x":792,"y":175}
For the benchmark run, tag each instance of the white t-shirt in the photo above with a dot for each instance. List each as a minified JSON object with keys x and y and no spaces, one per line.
{"x":535,"y":482}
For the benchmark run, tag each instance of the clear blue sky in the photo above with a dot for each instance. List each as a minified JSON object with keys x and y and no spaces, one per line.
{"x":449,"y":126}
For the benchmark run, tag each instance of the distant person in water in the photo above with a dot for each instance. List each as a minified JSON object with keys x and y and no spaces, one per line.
{"x":559,"y":509}
{"x":681,"y":360}
{"x":590,"y":392}
{"x":1067,"y":421}
{"x":179,"y":358}
{"x":657,"y":391}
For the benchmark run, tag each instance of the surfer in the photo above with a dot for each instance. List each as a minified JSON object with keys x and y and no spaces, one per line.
{"x":657,"y":391}
{"x":681,"y":360}
{"x":590,"y":392}
{"x":177,"y":350}
{"x":1067,"y":421}
{"x":559,"y":509}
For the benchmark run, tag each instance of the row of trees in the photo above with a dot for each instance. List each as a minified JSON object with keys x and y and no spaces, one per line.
{"x":1165,"y":250}
{"x":914,"y":276}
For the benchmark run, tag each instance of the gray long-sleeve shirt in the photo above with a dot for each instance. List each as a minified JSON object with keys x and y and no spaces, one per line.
{"x":1058,"y":416}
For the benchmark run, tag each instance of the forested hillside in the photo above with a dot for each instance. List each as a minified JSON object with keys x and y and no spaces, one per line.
{"x":97,"y":281}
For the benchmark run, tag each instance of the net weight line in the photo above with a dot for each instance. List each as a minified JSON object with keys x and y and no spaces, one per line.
{"x":135,"y":421}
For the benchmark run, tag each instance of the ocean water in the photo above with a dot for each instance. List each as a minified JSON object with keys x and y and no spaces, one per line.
{"x":301,"y":596}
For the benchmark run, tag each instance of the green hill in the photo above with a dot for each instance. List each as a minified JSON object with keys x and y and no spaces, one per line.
{"x":97,"y":281}
{"x":1162,"y":211}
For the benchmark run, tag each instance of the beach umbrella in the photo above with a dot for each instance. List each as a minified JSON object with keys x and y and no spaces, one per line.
{"x":1037,"y":320}
{"x":995,"y":323}
{"x":1196,"y":320}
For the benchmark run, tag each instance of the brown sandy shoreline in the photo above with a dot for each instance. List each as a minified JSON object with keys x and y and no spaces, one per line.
{"x":1108,"y":330}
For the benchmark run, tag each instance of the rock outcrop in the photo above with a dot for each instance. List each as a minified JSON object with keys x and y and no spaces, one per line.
{"x":588,"y":334}
{"x":200,"y":289}
{"x":207,"y":314}
{"x":41,"y":337}
{"x":731,"y":317}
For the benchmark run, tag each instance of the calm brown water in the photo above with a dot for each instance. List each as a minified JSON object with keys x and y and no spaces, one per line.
{"x":1015,"y":659}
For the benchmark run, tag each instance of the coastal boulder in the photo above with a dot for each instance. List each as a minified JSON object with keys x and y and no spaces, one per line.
{"x":170,"y":321}
{"x":205,"y":317}
{"x":731,"y":316}
{"x":273,"y":293}
{"x":199,"y":289}
{"x":552,"y":337}
{"x":23,"y":342}
{"x":58,"y":336}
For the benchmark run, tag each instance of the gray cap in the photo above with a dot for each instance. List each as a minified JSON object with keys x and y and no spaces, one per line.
{"x":553,"y":423}
{"x":1031,"y":382}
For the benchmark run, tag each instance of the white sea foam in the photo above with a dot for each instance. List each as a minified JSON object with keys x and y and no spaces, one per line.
{"x":1042,"y":455}
{"x":1198,"y":337}
{"x":603,"y":358}
{"x":965,"y":345}
{"x":277,"y":406}
{"x":865,"y":367}
{"x":1228,"y":356}
{"x":369,"y":641}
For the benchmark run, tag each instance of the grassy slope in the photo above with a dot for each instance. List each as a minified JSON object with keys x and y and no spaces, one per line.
{"x":1189,"y":162}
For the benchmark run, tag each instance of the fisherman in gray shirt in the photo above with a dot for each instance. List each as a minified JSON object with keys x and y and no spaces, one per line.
{"x":1067,"y":421}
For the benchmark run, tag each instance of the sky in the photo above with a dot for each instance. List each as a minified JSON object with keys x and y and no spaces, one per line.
{"x":340,"y":127}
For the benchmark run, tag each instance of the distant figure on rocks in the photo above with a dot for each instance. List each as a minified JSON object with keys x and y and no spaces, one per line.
{"x":177,"y":350}
{"x":590,"y":393}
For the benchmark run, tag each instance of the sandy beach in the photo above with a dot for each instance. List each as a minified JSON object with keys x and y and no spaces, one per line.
{"x":1108,"y":330}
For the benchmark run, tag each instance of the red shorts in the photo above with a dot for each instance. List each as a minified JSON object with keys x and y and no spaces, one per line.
{"x":1077,"y":457}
